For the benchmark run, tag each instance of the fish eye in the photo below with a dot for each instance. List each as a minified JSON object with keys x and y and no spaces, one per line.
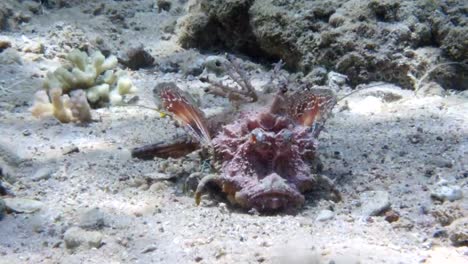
{"x":286,"y":134}
{"x":258,"y":135}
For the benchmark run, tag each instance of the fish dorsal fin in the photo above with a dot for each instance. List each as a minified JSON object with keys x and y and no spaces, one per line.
{"x":185,"y":111}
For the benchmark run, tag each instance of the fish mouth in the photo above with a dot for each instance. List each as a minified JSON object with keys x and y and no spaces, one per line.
{"x":272,"y":193}
{"x":275,"y":201}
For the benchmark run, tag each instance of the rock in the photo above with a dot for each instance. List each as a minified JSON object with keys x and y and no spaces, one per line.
{"x":374,"y":203}
{"x":365,"y":40}
{"x":137,"y":58}
{"x":4,"y":44}
{"x":164,"y":5}
{"x":446,"y":213}
{"x":76,"y":237}
{"x":2,"y":208}
{"x":42,"y":174}
{"x":391,"y":216}
{"x":22,"y":205}
{"x":10,"y":56}
{"x":447,"y":193}
{"x":92,"y":219}
{"x":34,"y":47}
{"x":458,"y":232}
{"x":70,"y":149}
{"x":149,"y":249}
{"x":336,"y":80}
{"x":463,"y":94}
{"x":325,"y":215}
{"x":440,"y":162}
{"x":10,"y":157}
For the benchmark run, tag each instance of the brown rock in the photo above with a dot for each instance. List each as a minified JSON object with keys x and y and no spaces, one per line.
{"x":391,"y":216}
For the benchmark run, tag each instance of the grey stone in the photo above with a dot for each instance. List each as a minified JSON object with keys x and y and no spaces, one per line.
{"x":92,"y":219}
{"x":447,"y":193}
{"x":440,"y":162}
{"x":336,"y":80}
{"x":10,"y":154}
{"x":325,"y":215}
{"x":158,"y":176}
{"x":374,"y":203}
{"x":22,"y":205}
{"x":76,"y":237}
{"x":42,"y":174}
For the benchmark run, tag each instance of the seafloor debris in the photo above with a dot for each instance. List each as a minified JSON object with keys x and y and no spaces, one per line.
{"x":86,"y":81}
{"x":136,"y":58}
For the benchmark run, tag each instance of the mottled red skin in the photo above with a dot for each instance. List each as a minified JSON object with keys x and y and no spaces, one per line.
{"x":265,"y":161}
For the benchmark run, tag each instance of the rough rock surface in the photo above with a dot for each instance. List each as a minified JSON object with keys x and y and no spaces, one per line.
{"x":76,"y":238}
{"x":458,"y":232}
{"x":367,"y":40}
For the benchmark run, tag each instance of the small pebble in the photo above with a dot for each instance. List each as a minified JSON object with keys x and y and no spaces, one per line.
{"x":4,"y":44}
{"x":149,"y":249}
{"x":374,"y":203}
{"x":391,"y":216}
{"x":325,"y":215}
{"x":447,"y":193}
{"x":70,"y":149}
{"x":26,"y":132}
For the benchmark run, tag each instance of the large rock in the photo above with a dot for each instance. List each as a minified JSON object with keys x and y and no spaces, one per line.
{"x":22,"y":205}
{"x":367,"y":40}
